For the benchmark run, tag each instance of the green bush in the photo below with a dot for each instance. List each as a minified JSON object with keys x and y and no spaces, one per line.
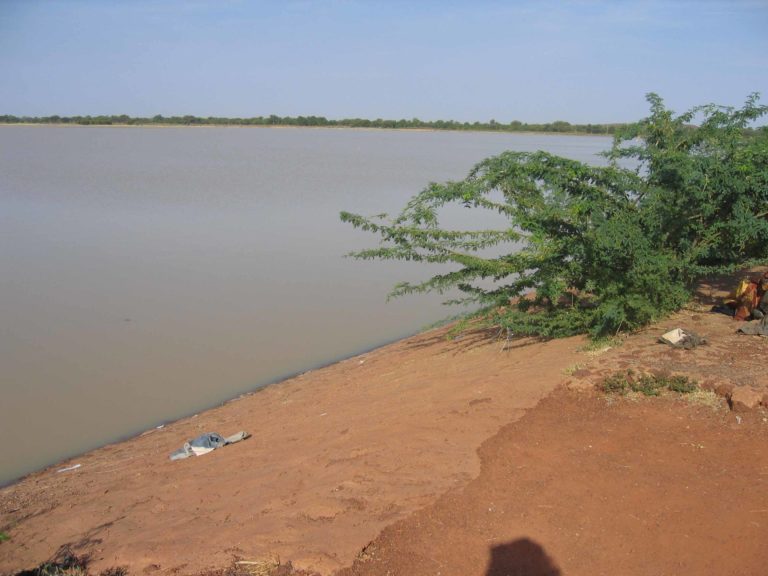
{"x":681,"y":385}
{"x":595,"y":249}
{"x":617,"y":383}
{"x":648,"y":385}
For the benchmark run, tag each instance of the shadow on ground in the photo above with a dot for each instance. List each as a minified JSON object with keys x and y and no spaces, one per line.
{"x":521,"y":557}
{"x":473,"y":338}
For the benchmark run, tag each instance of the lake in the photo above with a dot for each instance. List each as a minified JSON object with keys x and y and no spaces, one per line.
{"x":149,"y":273}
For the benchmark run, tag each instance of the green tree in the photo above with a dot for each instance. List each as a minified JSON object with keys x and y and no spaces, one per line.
{"x":595,"y":249}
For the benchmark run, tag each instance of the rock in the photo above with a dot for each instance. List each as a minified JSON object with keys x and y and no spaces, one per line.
{"x":765,"y":400}
{"x":744,"y":398}
{"x":724,"y":389}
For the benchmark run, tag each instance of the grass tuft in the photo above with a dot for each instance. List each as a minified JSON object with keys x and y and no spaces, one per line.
{"x":256,"y":567}
{"x":617,"y":383}
{"x":570,"y":370}
{"x":681,"y":385}
{"x":647,"y":384}
{"x":705,"y":398}
{"x":597,"y":346}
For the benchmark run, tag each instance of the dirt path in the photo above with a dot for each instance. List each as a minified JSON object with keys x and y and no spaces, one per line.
{"x":581,"y":486}
{"x":336,"y":455}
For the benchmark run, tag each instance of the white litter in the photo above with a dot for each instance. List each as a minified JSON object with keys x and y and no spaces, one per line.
{"x":674,"y":336}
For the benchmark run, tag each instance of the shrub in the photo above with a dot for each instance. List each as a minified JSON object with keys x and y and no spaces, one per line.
{"x":681,"y":385}
{"x":648,"y":385}
{"x":595,"y":249}
{"x":617,"y":383}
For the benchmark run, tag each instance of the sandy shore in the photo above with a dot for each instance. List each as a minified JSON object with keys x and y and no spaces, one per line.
{"x":336,"y":455}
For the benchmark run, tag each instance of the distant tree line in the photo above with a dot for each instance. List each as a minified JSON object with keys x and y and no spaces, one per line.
{"x":559,"y":126}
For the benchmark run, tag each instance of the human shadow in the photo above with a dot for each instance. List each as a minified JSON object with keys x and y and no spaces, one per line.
{"x":521,"y":557}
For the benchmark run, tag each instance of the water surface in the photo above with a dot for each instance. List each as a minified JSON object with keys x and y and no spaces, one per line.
{"x":147,"y":273}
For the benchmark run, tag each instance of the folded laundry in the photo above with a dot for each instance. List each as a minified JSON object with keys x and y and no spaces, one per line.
{"x":206,"y":443}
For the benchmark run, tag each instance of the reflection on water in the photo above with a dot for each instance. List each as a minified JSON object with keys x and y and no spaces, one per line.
{"x":148,"y":273}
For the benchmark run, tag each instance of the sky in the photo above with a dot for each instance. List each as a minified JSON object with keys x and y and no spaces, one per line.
{"x":531,"y":60}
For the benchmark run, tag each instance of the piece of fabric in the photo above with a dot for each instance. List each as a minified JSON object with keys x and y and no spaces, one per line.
{"x":747,"y":296}
{"x":205,"y":443}
{"x":746,"y":301}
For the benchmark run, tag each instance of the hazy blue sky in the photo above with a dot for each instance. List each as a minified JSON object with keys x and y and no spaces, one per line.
{"x":579,"y":61}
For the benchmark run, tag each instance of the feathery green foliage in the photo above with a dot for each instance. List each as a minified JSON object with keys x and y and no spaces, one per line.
{"x":595,"y":249}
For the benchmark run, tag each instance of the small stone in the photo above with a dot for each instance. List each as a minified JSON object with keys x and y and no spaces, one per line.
{"x":765,"y":400}
{"x":744,"y":398}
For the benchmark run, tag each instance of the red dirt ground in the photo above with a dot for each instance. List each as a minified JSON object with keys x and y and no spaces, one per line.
{"x":584,"y":486}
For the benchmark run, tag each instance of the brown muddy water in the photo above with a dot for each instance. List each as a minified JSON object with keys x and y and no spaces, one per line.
{"x":148,"y":273}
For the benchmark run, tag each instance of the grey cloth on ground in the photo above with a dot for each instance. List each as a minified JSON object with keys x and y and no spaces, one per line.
{"x":755,"y":327}
{"x":206,"y":443}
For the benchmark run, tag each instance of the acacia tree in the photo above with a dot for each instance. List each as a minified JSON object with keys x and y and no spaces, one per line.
{"x":595,"y":249}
